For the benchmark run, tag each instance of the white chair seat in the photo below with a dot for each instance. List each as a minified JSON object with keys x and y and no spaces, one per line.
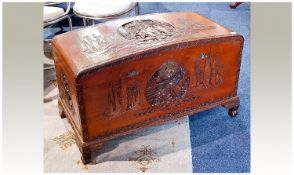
{"x":101,"y":8}
{"x":52,"y":13}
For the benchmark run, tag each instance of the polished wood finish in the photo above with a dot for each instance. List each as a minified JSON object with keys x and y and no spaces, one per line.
{"x":122,"y":76}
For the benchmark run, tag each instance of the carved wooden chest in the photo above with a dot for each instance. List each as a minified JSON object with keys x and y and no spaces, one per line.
{"x":124,"y":75}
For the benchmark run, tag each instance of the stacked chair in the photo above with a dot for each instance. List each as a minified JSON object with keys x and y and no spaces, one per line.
{"x":89,"y":12}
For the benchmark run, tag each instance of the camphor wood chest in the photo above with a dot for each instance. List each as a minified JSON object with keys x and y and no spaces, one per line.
{"x":121,"y":76}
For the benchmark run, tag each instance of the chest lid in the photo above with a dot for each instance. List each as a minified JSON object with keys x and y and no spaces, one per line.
{"x":116,"y":40}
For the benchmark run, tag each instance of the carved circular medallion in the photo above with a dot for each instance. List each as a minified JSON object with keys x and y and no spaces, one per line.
{"x":167,"y":84}
{"x":146,"y":30}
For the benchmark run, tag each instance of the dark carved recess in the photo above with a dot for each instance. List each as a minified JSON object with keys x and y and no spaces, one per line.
{"x":67,"y":92}
{"x":146,"y":30}
{"x":167,"y":84}
{"x":115,"y":98}
{"x":132,"y":96}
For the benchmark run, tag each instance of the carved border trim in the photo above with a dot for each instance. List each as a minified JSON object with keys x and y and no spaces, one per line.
{"x":162,"y":118}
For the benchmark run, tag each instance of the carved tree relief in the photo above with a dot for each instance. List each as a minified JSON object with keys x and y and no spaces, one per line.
{"x":167,"y":84}
{"x":117,"y":102}
{"x":208,"y":70}
{"x":132,"y":96}
{"x":114,"y":97}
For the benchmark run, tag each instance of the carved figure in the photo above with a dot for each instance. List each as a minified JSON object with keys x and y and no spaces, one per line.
{"x":167,"y":84}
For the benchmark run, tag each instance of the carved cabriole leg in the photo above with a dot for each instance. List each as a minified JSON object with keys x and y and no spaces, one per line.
{"x":61,"y":110}
{"x":232,"y":106}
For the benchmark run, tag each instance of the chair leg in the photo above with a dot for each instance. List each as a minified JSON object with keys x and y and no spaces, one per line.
{"x":61,"y":28}
{"x":85,"y":22}
{"x":137,"y":11}
{"x":69,"y":22}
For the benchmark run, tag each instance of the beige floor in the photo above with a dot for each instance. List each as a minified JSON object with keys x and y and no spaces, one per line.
{"x":164,"y":148}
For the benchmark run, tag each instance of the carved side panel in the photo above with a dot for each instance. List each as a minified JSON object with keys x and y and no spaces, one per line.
{"x":208,"y":71}
{"x":167,"y":85}
{"x":67,"y":92}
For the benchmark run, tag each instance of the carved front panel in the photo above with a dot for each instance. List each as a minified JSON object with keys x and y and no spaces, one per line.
{"x":159,"y":84}
{"x":168,"y":86}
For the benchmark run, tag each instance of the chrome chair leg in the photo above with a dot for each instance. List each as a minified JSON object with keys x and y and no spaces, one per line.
{"x":69,"y":22}
{"x":85,"y":22}
{"x":137,"y":11}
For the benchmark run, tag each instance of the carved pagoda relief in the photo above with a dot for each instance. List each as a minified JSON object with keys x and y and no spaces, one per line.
{"x":146,"y":30}
{"x":92,"y":43}
{"x":167,"y":84}
{"x":208,"y":70}
{"x":121,"y":98}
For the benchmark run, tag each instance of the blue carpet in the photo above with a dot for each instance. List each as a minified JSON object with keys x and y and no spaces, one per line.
{"x":219,"y":143}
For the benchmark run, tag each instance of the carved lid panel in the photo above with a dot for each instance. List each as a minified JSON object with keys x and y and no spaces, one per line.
{"x":115,"y":40}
